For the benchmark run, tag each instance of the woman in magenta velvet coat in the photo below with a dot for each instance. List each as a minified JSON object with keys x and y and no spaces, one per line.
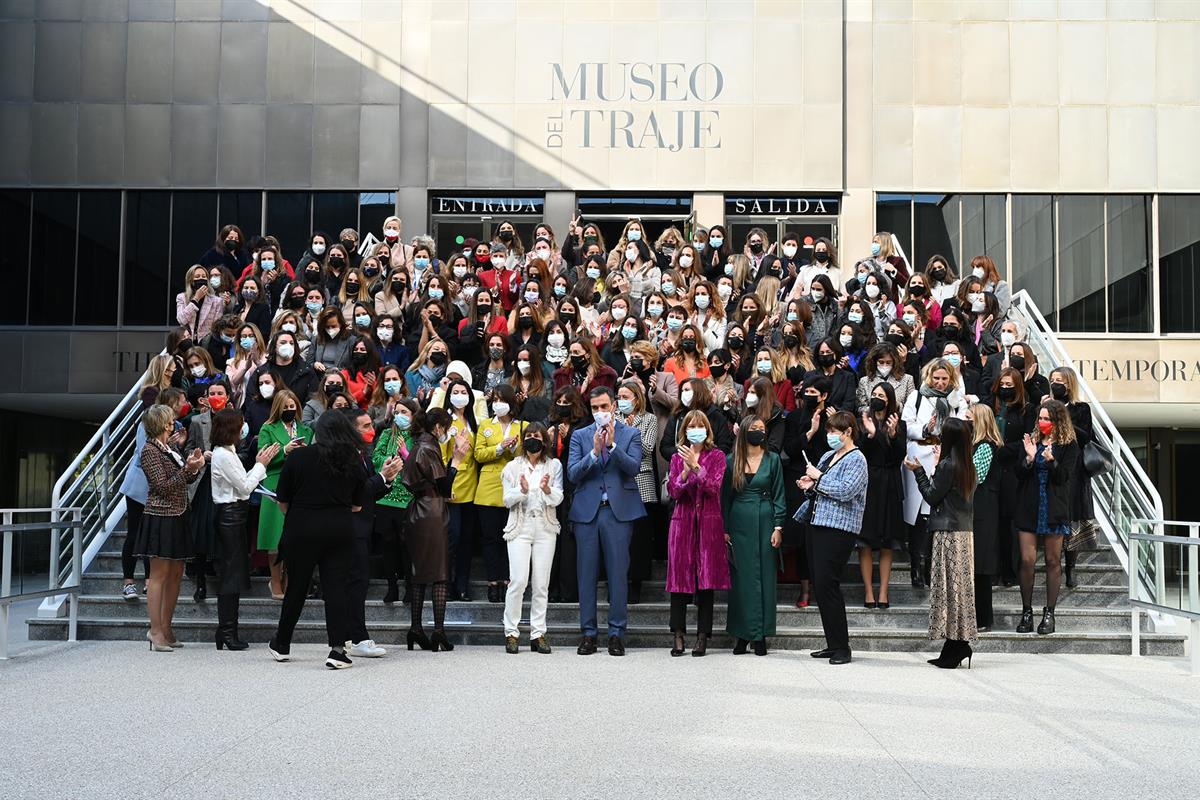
{"x":696,"y":553}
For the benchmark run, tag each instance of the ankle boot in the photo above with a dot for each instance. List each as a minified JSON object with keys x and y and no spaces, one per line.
{"x":201,"y":593}
{"x":227,"y":619}
{"x":1046,"y":626}
{"x":393,"y":592}
{"x":915,"y":573}
{"x":1070,"y":571}
{"x":1026,"y":624}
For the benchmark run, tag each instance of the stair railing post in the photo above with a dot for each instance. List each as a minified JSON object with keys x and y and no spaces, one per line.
{"x":76,"y":573}
{"x":5,"y":584}
{"x":1194,"y":595}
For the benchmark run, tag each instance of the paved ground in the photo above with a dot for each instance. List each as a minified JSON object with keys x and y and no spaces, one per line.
{"x":111,"y":719}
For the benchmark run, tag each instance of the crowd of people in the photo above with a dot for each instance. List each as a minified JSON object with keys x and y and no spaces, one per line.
{"x":747,"y":411}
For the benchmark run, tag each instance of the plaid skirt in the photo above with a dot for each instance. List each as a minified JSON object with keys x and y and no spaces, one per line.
{"x":952,"y":587}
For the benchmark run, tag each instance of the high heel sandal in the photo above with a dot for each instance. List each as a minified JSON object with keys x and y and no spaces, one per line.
{"x":701,"y":648}
{"x":440,"y":642}
{"x":418,"y":637}
{"x":677,"y":650}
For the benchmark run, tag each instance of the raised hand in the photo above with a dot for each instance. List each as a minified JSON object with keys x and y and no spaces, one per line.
{"x":267,"y":453}
{"x":912,"y":464}
{"x":546,"y":483}
{"x":524,"y":484}
{"x":392,"y":467}
{"x":892,"y":422}
{"x":868,"y":423}
{"x":1030,"y":447}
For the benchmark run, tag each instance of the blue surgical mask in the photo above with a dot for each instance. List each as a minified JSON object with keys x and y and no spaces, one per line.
{"x":420,"y":262}
{"x":392,"y":387}
{"x":764,"y":367}
{"x":402,"y":420}
{"x":362,"y":320}
{"x":560,"y":291}
{"x":629,"y":333}
{"x":729,"y":269}
{"x":792,"y":316}
{"x":246,"y":342}
{"x":245,"y":430}
{"x":875,"y":249}
{"x":716,"y":241}
{"x":633,"y":235}
{"x":674,"y":323}
{"x":855,"y":317}
{"x":625,"y":406}
{"x":593,"y":273}
{"x":436,"y":294}
{"x":954,"y":359}
{"x":226,"y":339}
{"x":215,"y":282}
{"x":696,"y":435}
{"x":314,"y":306}
{"x":834,"y":440}
{"x":668,"y":287}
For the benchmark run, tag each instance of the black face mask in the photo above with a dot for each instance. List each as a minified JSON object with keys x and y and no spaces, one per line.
{"x":337,"y":262}
{"x":437,"y":359}
{"x":756,"y":438}
{"x":1059,"y":390}
{"x":533,"y":446}
{"x":717,"y":370}
{"x":524,"y":323}
{"x":312,"y":275}
{"x":580,"y":363}
{"x":184,"y":346}
{"x":636,"y":364}
{"x":1007,"y":393}
{"x":756,"y":247}
{"x":398,"y":287}
{"x":332,"y":388}
{"x":595,"y":298}
{"x":878,"y":404}
{"x":435,"y":319}
{"x":821,"y":256}
{"x":296,"y":302}
{"x":1017,"y":363}
{"x":561,"y":411}
{"x":506,"y":236}
{"x":812,"y":400}
{"x":916,"y":290}
{"x":370,"y":272}
{"x":567,"y":318}
{"x":790,"y":340}
{"x":288,"y":415}
{"x":358,"y":359}
{"x":938,"y":274}
{"x":827,"y":359}
{"x":231,"y":244}
{"x":951,"y":331}
{"x":688,"y":345}
{"x":349,"y":245}
{"x":895,"y":338}
{"x":735,"y":342}
{"x":198,"y":285}
{"x":352,"y":288}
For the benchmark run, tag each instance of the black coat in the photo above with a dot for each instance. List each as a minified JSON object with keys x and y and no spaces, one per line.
{"x":843,"y":390}
{"x":883,"y":518}
{"x":987,"y":516}
{"x":1058,"y":488}
{"x":722,"y":432}
{"x":1082,"y":505}
{"x":948,"y":509}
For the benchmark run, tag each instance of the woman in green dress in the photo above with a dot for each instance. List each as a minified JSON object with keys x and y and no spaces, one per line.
{"x":391,"y":511}
{"x":754,"y":510}
{"x":283,"y":427}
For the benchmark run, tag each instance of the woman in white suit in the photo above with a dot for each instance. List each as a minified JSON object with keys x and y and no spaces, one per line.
{"x":533,"y":488}
{"x":939,"y":398}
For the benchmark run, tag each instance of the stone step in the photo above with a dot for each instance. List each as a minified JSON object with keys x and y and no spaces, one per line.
{"x":899,"y":593}
{"x":564,"y":640}
{"x":566,"y":615}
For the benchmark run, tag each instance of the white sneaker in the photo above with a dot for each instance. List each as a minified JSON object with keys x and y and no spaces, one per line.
{"x":367,"y":649}
{"x":130,"y":592}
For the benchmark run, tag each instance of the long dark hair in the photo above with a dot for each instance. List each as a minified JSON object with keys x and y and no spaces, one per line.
{"x":956,"y":447}
{"x":468,"y":409}
{"x":339,"y":445}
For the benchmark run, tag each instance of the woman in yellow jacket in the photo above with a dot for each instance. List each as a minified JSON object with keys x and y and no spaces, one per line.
{"x":459,"y":402}
{"x":497,"y":443}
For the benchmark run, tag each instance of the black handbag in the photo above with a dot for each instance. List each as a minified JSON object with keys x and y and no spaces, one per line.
{"x":1097,"y":458}
{"x":804,"y":514}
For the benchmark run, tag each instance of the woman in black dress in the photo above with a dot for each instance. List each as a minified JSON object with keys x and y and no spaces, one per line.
{"x":1064,"y":387}
{"x":320,"y":488}
{"x":988,"y":444}
{"x":884,"y":443}
{"x":566,"y":414}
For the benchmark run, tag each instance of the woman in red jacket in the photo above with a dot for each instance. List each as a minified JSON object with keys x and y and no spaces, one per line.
{"x":363,"y":372}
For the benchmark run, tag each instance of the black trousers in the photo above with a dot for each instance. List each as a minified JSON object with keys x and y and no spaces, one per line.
{"x":332,"y":552}
{"x":463,"y":524}
{"x":564,"y":572}
{"x":358,"y":578}
{"x":641,"y":549}
{"x":984,"y":616}
{"x":828,"y":551}
{"x":133,"y":522}
{"x":704,"y":611}
{"x":1010,"y":557}
{"x":389,"y":524}
{"x":492,"y":520}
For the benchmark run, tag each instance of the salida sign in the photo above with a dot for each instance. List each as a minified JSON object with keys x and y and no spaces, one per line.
{"x":628,"y":106}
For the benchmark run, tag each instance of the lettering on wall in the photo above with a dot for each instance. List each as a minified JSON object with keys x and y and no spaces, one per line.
{"x":624,"y":106}
{"x":132,"y":361}
{"x":789,"y":206}
{"x":452,"y":204}
{"x":1139,"y":369}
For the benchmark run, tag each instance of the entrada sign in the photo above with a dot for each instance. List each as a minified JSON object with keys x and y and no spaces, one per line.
{"x":782,"y":206}
{"x":458,"y":204}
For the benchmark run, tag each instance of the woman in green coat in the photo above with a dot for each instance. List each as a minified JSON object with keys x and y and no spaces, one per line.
{"x":391,"y":511}
{"x":284,"y":428}
{"x":754,"y":510}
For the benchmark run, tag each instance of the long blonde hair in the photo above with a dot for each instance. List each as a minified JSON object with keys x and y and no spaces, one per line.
{"x":983,"y":425}
{"x":156,"y":373}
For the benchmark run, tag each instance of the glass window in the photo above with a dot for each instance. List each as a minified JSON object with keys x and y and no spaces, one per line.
{"x":193,"y":231}
{"x":52,"y":268}
{"x":1130,"y":302}
{"x":1081,"y":279}
{"x":149,"y":298}
{"x":288,"y":220}
{"x":243,"y":209}
{"x":99,"y":258}
{"x":1033,"y":250}
{"x":1179,"y":262}
{"x":332,"y":211}
{"x":374,"y":208}
{"x":14,"y":255}
{"x":893,"y":213}
{"x":984,"y":230}
{"x":935,"y":229}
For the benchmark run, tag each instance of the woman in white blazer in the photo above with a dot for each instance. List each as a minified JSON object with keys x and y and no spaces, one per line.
{"x":533,"y":488}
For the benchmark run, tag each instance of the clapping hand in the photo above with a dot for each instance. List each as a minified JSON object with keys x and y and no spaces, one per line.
{"x":912,"y":464}
{"x":868,"y":423}
{"x":546,"y":483}
{"x":1030,"y":447}
{"x":1048,"y":454}
{"x":892,"y":421}
{"x":195,"y":461}
{"x":462,"y":445}
{"x":524,"y":484}
{"x":510,"y":443}
{"x":267,"y":453}
{"x":178,"y":437}
{"x":391,"y":468}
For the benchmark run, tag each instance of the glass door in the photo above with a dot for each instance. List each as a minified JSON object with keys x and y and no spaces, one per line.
{"x":808,"y":228}
{"x":451,"y":231}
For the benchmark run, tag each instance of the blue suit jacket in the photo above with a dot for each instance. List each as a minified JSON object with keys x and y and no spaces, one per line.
{"x":616,"y":477}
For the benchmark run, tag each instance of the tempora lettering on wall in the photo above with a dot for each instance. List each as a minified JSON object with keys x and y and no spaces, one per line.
{"x":635,"y":105}
{"x":1139,"y":369}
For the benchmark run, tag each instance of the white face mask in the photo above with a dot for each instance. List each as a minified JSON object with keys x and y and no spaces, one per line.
{"x":789,"y":250}
{"x":459,"y":400}
{"x":523,"y":367}
{"x":685,"y":261}
{"x":501,"y":408}
{"x":884,"y":370}
{"x":685,"y":397}
{"x":1007,"y":339}
{"x":460,"y":271}
{"x":498,"y":262}
{"x":266,"y":391}
{"x":542,"y":253}
{"x":846,"y":339}
{"x":751,"y":400}
{"x":978,"y":306}
{"x":872,"y":291}
{"x":602,"y":418}
{"x":290,"y":327}
{"x":818,"y":294}
{"x":978,"y":272}
{"x":286,"y":350}
{"x":198,"y":371}
{"x":724,"y":290}
{"x":619,"y":314}
{"x":384,"y":334}
{"x":318,"y":249}
{"x":556,"y":339}
{"x":631,"y":253}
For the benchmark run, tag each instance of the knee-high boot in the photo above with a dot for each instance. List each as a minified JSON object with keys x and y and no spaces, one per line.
{"x":227,"y":622}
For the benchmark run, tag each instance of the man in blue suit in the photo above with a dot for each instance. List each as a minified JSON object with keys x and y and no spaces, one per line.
{"x":603,"y":464}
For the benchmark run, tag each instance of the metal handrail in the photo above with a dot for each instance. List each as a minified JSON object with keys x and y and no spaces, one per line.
{"x":1155,"y":598}
{"x":69,"y":519}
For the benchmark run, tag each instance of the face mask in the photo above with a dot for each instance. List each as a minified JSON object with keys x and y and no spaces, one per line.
{"x":266,"y":391}
{"x":523,"y":367}
{"x":756,"y":247}
{"x":953,"y":359}
{"x":756,"y":438}
{"x":633,"y":235}
{"x":286,"y":350}
{"x":978,"y":306}
{"x":227,"y":338}
{"x":846,"y":339}
{"x":751,"y":400}
{"x":602,"y":418}
{"x":878,"y":404}
{"x":1045,"y":426}
{"x":654,"y":310}
{"x":715,"y":242}
{"x":245,"y":430}
{"x":445,"y":438}
{"x":668,"y":287}
{"x":318,"y":249}
{"x":484,"y":310}
{"x":217,"y":403}
{"x":629,"y":333}
{"x":674,"y":323}
{"x":246,"y":342}
{"x":791,"y":340}
{"x":688,"y":345}
{"x":500,"y":408}
{"x":332,"y":388}
{"x":735,"y":342}
{"x":593,"y":273}
{"x":1017,"y":363}
{"x":895,"y":338}
{"x":855,"y":316}
{"x":724,"y":290}
{"x":288,"y":415}
{"x":872,"y":290}
{"x":312,"y":275}
{"x":384,"y":334}
{"x":631,"y":254}
{"x":498,"y":262}
{"x":764,"y":367}
{"x":533,"y":445}
{"x":332,"y":333}
{"x":391,"y":234}
{"x":685,"y":398}
{"x":215,"y":282}
{"x":506,"y":236}
{"x":289,"y":327}
{"x":460,"y":272}
{"x":827,"y":359}
{"x":524,"y":323}
{"x":916,"y":290}
{"x":1007,"y":339}
{"x":403,"y":420}
{"x":337,"y":262}
{"x":636,"y":364}
{"x":437,"y":358}
{"x":437,"y":294}
{"x":696,"y":435}
{"x":818,"y":294}
{"x":729,"y":270}
{"x":789,"y":250}
{"x":910,"y":319}
{"x":370,"y":270}
{"x":459,"y":400}
{"x":1007,"y":393}
{"x":821,"y":256}
{"x":314,"y":306}
{"x":685,"y":261}
{"x":532,"y":296}
{"x":556,"y":339}
{"x":619,"y":314}
{"x":834,"y":440}
{"x":198,"y":371}
{"x":938,"y":274}
{"x":702,"y":301}
{"x":812,"y":401}
{"x":625,"y":406}
{"x":362,"y":320}
{"x":560,"y":291}
{"x":392,"y":387}
{"x":884,"y":370}
{"x":496,"y":353}
{"x":580,"y":363}
{"x":1059,"y":390}
{"x":199,"y":284}
{"x":978,"y":272}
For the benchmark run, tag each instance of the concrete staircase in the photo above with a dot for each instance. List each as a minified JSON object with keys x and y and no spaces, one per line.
{"x":1093,"y":618}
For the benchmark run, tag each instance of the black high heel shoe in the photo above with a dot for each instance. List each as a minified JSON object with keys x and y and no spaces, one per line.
{"x":677,"y":650}
{"x":953,"y":653}
{"x":440,"y":642}
{"x":739,"y":649}
{"x":701,"y":648}
{"x":201,"y":593}
{"x":393,"y":593}
{"x":760,"y":647}
{"x":418,"y":637}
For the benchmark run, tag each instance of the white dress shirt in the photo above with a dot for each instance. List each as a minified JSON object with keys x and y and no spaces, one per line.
{"x":230,"y":480}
